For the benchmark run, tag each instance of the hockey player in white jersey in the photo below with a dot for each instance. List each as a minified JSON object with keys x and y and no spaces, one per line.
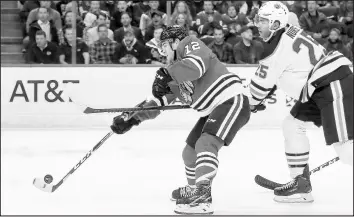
{"x":323,"y":84}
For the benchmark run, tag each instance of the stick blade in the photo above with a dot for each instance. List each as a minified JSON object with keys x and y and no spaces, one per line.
{"x":41,"y":185}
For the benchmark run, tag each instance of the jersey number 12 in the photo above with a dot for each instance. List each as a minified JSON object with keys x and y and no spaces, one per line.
{"x":194,"y":46}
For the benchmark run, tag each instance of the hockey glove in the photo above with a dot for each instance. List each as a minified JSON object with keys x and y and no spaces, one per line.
{"x":261,"y":106}
{"x":160,"y":86}
{"x":256,"y":108}
{"x":121,"y":126}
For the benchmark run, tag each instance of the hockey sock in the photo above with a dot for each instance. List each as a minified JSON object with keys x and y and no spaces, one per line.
{"x":190,"y":174}
{"x":297,"y":145}
{"x":297,"y":162}
{"x":207,"y":162}
{"x":189,"y":157}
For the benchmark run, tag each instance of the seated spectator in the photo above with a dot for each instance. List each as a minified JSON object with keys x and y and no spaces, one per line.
{"x":157,"y":22}
{"x":247,"y":51}
{"x":314,"y":23}
{"x":181,"y":20}
{"x":233,"y":19}
{"x":53,"y":15}
{"x":84,"y":7}
{"x":126,"y":24}
{"x":91,"y":15}
{"x":108,"y":6}
{"x":220,"y":48}
{"x":181,"y":7}
{"x":143,"y":5}
{"x":60,"y":6}
{"x":64,"y":52}
{"x":92,"y":34}
{"x":102,"y":50}
{"x":153,"y":45}
{"x":122,"y":7}
{"x":43,"y":51}
{"x":207,"y":16}
{"x":41,"y":24}
{"x":297,"y":7}
{"x":80,"y":26}
{"x":346,"y":16}
{"x":335,"y":43}
{"x":146,"y":18}
{"x":130,"y":51}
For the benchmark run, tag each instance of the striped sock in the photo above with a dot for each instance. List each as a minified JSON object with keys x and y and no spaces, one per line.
{"x":297,"y":162}
{"x":206,"y":166}
{"x":190,"y":174}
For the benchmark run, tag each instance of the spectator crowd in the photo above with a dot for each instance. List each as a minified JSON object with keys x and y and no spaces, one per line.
{"x":128,"y":32}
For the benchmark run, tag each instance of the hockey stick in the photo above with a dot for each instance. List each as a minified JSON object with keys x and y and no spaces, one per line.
{"x":47,"y":187}
{"x":89,"y":110}
{"x":266,"y":183}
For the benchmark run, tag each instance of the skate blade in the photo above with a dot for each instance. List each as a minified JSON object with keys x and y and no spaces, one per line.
{"x":201,"y":209}
{"x":296,"y":198}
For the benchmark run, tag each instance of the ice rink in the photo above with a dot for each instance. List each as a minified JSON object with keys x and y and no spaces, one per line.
{"x":136,"y":172}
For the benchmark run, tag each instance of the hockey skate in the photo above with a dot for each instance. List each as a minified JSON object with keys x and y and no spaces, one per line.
{"x":182,"y":192}
{"x":296,"y":191}
{"x":198,"y":202}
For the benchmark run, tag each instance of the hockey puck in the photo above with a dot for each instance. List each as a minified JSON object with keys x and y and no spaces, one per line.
{"x":48,"y":179}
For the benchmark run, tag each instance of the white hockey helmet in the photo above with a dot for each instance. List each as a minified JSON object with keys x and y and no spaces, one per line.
{"x":273,"y":11}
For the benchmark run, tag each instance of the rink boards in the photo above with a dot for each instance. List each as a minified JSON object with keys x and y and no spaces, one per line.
{"x":36,"y":97}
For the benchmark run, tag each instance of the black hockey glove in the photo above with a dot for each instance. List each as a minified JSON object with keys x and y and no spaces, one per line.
{"x":261,"y":106}
{"x":160,"y":86}
{"x":256,"y":108}
{"x":120,"y":126}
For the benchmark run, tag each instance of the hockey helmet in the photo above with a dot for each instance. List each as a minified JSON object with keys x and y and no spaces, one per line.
{"x":273,"y":11}
{"x":173,"y":32}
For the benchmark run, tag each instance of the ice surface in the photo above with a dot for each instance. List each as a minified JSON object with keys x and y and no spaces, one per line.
{"x":136,"y":172}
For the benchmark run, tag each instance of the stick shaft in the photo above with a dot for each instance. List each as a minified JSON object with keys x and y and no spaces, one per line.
{"x":82,"y":160}
{"x":90,"y":110}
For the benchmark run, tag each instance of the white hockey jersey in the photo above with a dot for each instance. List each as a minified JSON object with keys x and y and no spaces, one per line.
{"x":296,"y":63}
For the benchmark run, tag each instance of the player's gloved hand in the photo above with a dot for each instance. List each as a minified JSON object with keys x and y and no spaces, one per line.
{"x":256,"y":108}
{"x":121,"y":126}
{"x":160,"y":86}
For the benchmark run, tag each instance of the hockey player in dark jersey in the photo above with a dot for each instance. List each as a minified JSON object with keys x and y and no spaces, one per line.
{"x":199,"y":79}
{"x":323,"y":83}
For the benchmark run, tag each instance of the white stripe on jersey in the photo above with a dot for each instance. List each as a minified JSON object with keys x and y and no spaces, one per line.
{"x":323,"y":68}
{"x":338,"y":110}
{"x":196,"y":64}
{"x":201,"y":64}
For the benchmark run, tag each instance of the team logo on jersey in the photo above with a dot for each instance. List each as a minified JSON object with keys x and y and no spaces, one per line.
{"x":186,"y":90}
{"x":277,"y":6}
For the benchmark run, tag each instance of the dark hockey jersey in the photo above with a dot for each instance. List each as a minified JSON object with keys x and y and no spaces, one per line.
{"x":199,"y":78}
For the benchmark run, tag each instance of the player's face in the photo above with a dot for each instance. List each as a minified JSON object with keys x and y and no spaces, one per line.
{"x":263,"y":27}
{"x":168,"y":51}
